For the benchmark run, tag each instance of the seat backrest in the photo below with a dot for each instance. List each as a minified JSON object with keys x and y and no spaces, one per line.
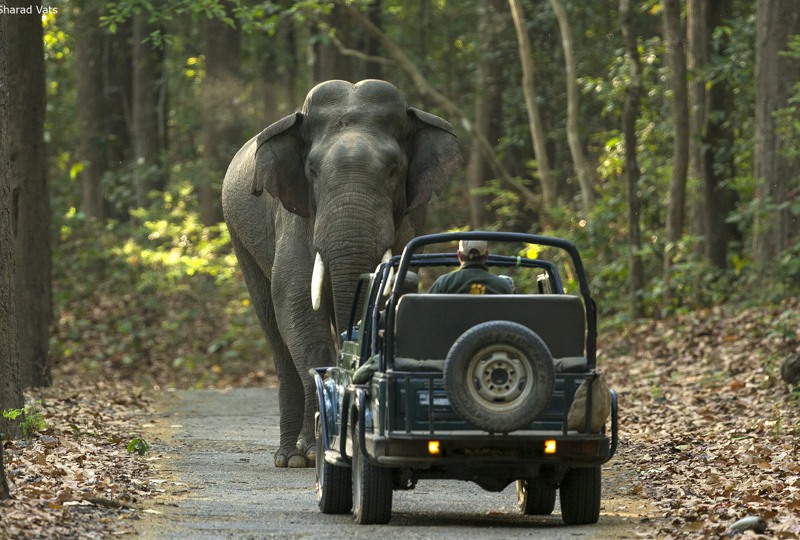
{"x":427,"y":325}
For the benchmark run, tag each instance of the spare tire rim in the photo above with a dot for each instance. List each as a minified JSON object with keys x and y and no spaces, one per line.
{"x":499,"y":378}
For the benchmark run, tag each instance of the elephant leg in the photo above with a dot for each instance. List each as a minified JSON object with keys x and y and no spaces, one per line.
{"x":308,"y":337}
{"x":290,"y":385}
{"x":307,"y":353}
{"x":290,"y":402}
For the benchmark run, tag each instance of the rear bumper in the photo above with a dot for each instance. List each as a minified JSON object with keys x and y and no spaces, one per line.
{"x":486,"y":450}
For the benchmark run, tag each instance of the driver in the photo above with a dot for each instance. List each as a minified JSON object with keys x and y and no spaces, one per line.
{"x":473,"y":277}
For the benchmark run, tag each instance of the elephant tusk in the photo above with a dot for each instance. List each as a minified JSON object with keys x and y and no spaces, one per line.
{"x":317,"y":279}
{"x":389,"y":282}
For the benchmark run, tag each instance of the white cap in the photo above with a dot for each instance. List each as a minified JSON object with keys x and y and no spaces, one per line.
{"x":473,"y":249}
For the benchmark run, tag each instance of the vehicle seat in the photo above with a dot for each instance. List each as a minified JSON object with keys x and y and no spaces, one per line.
{"x":427,"y":325}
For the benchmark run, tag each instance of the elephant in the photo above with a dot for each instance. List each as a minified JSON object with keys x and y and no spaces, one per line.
{"x":347,"y":182}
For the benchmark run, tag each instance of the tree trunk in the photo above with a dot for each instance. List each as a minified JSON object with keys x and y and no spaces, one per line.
{"x":92,"y":139}
{"x":632,"y":173}
{"x":488,"y":109}
{"x":549,"y":188}
{"x":222,"y":126}
{"x":673,"y":36}
{"x":709,"y":136}
{"x":329,"y":63}
{"x":118,"y":91}
{"x":697,"y":56}
{"x":278,"y":54}
{"x":10,"y":387}
{"x":146,"y":101}
{"x":582,"y":168}
{"x":776,"y":22}
{"x":370,"y":45}
{"x":29,"y":195}
{"x":719,"y":163}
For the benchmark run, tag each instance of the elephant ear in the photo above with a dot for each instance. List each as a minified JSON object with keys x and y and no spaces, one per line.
{"x":279,"y":165}
{"x":433,"y":157}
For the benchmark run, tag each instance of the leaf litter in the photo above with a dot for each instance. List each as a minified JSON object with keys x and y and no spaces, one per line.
{"x":707,"y":422}
{"x":76,"y":479}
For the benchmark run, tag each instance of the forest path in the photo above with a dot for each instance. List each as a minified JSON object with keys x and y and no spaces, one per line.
{"x":212,"y":454}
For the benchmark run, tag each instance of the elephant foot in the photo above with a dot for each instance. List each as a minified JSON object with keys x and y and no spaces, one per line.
{"x":281,"y":460}
{"x":293,"y":460}
{"x":297,"y":461}
{"x":310,"y":453}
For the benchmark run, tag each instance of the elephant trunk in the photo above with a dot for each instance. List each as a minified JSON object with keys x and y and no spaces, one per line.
{"x":344,"y":276}
{"x":353,"y":229}
{"x":338,"y":266}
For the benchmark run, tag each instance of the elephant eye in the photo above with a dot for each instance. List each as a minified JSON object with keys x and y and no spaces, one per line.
{"x":393,"y":166}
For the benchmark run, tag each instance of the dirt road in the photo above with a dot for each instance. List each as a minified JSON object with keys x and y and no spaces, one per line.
{"x":212,"y":455}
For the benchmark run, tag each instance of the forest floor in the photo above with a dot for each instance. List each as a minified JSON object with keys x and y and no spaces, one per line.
{"x":709,"y":432}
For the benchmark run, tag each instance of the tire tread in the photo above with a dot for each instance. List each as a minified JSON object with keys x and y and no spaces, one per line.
{"x":374,"y":507}
{"x":580,"y":494}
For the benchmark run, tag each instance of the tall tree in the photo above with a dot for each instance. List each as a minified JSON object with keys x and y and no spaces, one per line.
{"x":10,"y":387}
{"x":488,"y":107}
{"x":630,"y":113}
{"x":582,"y":168}
{"x":549,"y":187}
{"x":777,"y":174}
{"x":676,"y":58}
{"x":29,"y":193}
{"x":329,"y":63}
{"x":277,"y":54}
{"x":222,"y":129}
{"x":92,"y":139}
{"x":333,"y":60}
{"x":147,"y":88}
{"x":118,"y":94}
{"x":710,"y":140}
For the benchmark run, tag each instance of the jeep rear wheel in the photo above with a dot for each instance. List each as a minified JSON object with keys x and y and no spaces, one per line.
{"x":499,"y":376}
{"x":334,"y":487}
{"x":580,"y":496}
{"x":535,"y":497}
{"x":372,"y":487}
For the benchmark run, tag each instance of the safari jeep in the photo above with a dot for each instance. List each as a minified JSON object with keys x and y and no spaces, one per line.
{"x":493,"y":389}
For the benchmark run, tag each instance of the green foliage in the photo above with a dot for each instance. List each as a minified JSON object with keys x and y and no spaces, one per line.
{"x":138,"y":445}
{"x":32,"y":419}
{"x":159,"y":290}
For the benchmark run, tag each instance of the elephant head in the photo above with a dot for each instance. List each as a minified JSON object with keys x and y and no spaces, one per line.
{"x":362,"y":165}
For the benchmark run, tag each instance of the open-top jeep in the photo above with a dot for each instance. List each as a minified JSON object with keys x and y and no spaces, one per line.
{"x":488,"y":388}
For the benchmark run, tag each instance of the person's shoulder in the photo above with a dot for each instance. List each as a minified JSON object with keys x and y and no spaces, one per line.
{"x":503,"y":285}
{"x":441,"y":282}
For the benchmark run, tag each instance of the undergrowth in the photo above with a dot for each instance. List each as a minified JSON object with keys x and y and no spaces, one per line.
{"x":158,"y":296}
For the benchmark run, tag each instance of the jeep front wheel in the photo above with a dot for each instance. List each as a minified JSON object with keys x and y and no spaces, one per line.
{"x":499,"y":376}
{"x":372,"y":487}
{"x":334,"y":488}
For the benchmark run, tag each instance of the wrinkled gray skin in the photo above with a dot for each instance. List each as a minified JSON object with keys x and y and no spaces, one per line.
{"x":348,"y":178}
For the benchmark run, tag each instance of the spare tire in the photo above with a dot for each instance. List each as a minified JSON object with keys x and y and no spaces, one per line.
{"x":499,"y":376}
